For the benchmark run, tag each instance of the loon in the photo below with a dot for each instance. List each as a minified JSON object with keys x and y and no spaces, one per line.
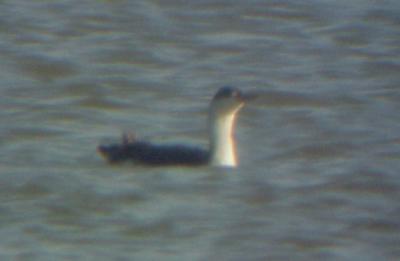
{"x":222,"y":114}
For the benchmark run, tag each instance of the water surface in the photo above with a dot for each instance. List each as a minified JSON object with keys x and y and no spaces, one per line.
{"x":319,"y":150}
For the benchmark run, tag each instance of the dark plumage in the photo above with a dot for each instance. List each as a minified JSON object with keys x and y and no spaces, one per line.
{"x":150,"y":154}
{"x":223,"y":108}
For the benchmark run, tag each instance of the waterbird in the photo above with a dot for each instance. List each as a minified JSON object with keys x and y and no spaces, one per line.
{"x":221,"y":151}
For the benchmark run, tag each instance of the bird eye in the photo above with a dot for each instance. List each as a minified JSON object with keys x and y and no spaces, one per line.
{"x":227,"y":92}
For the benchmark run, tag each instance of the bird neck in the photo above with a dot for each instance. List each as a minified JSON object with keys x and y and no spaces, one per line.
{"x":222,"y":142}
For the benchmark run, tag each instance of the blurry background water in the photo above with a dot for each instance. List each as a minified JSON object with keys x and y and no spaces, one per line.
{"x":319,"y":150}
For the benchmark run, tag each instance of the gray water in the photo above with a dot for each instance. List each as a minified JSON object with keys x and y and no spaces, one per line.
{"x":319,"y":150}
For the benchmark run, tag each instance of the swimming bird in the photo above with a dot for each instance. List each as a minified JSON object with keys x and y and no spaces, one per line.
{"x":222,"y":113}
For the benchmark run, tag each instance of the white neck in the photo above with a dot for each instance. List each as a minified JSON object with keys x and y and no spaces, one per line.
{"x":222,"y":143}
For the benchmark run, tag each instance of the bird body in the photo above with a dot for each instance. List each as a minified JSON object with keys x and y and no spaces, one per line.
{"x":221,"y":152}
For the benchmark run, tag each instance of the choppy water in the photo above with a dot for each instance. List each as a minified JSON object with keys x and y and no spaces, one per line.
{"x":319,"y":150}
